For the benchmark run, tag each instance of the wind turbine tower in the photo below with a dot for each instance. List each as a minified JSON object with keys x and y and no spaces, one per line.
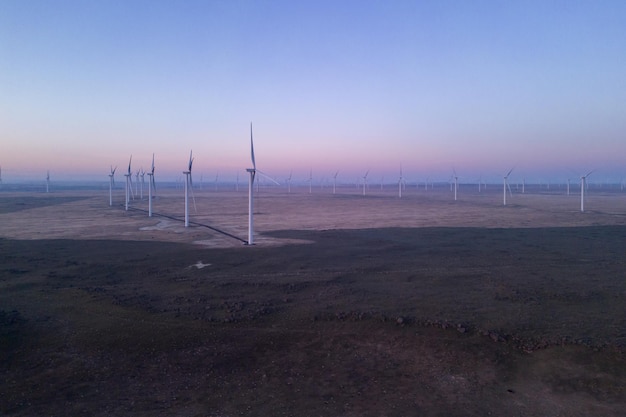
{"x":111,"y":184}
{"x":48,"y":182}
{"x":400,"y":181}
{"x":188,"y":185}
{"x":335,"y":182}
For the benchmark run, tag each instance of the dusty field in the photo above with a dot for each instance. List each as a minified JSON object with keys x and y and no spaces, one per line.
{"x":348,"y":305}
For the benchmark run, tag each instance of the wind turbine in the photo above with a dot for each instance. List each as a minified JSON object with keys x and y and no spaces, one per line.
{"x":568,"y":180}
{"x":310,"y":180}
{"x":48,"y":182}
{"x":252,"y":172}
{"x":151,"y":186}
{"x":583,"y":184}
{"x":0,"y":175}
{"x":188,"y":186}
{"x":335,"y":182}
{"x":111,"y":184}
{"x":136,"y":184}
{"x":142,"y":175}
{"x":217,"y":175}
{"x":400,"y":181}
{"x":456,"y":183}
{"x":129,"y":184}
{"x":365,"y":180}
{"x":506,"y":184}
{"x":289,"y":182}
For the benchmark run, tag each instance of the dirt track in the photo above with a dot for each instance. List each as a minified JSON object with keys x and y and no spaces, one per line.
{"x":348,"y":305}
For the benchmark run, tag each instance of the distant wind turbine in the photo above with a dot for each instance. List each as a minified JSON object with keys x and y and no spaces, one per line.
{"x":48,"y":182}
{"x":365,"y":180}
{"x":289,"y":182}
{"x":111,"y":184}
{"x":151,"y":186}
{"x":142,"y":174}
{"x":310,"y":180}
{"x":506,"y":185}
{"x":136,"y":184}
{"x":129,"y":184}
{"x":400,"y":181}
{"x":583,"y":184}
{"x":335,"y":182}
{"x":456,"y":183}
{"x":188,"y":186}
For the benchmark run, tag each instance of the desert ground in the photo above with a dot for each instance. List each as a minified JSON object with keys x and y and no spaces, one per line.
{"x":347,"y":304}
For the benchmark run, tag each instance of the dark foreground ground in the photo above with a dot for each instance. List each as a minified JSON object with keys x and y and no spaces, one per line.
{"x":383,"y":322}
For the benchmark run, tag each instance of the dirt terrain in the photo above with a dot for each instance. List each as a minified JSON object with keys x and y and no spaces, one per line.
{"x":348,"y":305}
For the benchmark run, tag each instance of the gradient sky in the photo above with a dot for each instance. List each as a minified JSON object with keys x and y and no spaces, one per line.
{"x":480,"y":86}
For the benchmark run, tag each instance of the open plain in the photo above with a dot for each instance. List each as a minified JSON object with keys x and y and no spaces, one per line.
{"x":348,"y":304}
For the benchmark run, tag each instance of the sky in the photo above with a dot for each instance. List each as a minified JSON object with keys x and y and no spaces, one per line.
{"x":427,"y":86}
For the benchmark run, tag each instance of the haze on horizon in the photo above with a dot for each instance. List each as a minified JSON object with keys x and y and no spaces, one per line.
{"x":430,"y":86}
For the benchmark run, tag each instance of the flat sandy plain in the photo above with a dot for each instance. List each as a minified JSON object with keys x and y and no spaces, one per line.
{"x":348,"y":305}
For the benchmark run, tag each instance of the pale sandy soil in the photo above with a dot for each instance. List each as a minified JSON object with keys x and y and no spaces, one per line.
{"x":90,"y":217}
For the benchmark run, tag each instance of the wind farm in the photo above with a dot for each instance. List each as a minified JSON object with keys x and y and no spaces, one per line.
{"x":385,"y":259}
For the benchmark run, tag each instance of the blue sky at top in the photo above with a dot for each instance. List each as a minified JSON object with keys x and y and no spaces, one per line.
{"x":349,"y":85}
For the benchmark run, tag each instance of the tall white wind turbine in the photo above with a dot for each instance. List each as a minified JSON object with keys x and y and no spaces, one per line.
{"x":151,"y":186}
{"x":111,"y":184}
{"x":583,"y":184}
{"x":252,"y":173}
{"x":129,"y":184}
{"x":400,"y":181}
{"x":506,"y":185}
{"x":188,"y":185}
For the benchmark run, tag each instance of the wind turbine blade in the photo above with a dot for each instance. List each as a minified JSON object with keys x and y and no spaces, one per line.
{"x":190,"y":160}
{"x":509,"y":173}
{"x":589,"y":173}
{"x":153,"y":164}
{"x":129,"y":161}
{"x":268,"y":177}
{"x":509,"y":187}
{"x":252,"y":148}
